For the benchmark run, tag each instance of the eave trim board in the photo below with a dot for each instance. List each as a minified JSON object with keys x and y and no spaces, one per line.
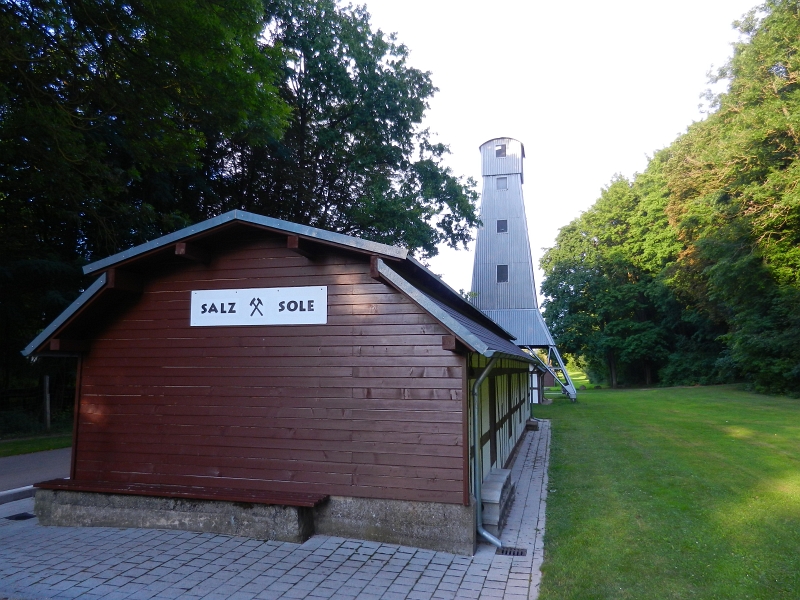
{"x":244,"y":217}
{"x":79,"y":302}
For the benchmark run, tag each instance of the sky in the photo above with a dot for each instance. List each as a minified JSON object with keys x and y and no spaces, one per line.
{"x":590,"y":88}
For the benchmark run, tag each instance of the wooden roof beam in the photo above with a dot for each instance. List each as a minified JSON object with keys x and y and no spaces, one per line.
{"x":293,"y":242}
{"x":192,"y":252}
{"x":373,"y":267}
{"x":71,"y":346}
{"x":124,"y":281}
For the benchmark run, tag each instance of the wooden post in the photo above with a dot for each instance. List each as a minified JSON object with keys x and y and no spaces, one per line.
{"x":47,"y":402}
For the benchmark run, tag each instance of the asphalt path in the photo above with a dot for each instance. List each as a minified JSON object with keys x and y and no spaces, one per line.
{"x":27,"y":469}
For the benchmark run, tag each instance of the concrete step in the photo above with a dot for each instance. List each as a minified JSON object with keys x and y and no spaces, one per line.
{"x":497,"y":494}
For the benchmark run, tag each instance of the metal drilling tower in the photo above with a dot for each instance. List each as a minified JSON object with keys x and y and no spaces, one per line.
{"x":503,"y":285}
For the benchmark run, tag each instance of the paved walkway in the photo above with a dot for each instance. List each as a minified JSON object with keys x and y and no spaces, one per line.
{"x":138,"y":564}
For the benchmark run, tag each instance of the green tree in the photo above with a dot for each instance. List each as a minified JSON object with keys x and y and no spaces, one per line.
{"x":712,"y":235}
{"x":121,"y":121}
{"x":598,"y":301}
{"x":99,"y":102}
{"x":611,"y":293}
{"x":735,"y":203}
{"x":353,"y":158}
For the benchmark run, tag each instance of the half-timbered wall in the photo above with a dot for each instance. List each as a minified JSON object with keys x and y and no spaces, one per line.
{"x":369,"y":405}
{"x":503,"y":408}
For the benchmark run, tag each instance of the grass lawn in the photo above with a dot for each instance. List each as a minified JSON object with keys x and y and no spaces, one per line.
{"x":35,"y":444}
{"x":578,"y":377}
{"x":673,"y":493}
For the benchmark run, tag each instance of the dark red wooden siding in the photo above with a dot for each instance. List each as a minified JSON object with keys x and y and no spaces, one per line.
{"x":369,"y":405}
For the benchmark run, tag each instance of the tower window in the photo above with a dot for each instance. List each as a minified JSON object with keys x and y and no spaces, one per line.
{"x":502,"y":273}
{"x":500,"y":151}
{"x":502,"y":183}
{"x":502,"y":226}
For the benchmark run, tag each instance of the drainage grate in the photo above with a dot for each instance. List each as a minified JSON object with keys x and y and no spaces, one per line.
{"x":21,"y":517}
{"x":506,"y":551}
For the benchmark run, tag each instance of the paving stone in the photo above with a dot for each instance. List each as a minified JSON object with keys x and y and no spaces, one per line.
{"x":321,"y":592}
{"x":140,"y":564}
{"x":395,"y":595}
{"x":143,"y":594}
{"x":295,"y":593}
{"x":279,"y":586}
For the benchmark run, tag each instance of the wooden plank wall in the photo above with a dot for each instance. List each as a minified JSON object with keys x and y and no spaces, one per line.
{"x":368,"y":405}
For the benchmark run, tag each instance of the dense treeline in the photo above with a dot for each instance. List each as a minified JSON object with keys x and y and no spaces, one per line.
{"x":690,"y":272}
{"x":124,"y":120}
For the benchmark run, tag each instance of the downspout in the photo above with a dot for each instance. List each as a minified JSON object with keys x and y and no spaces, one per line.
{"x":476,"y":463}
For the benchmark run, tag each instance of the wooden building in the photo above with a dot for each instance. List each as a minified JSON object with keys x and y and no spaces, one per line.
{"x":251,"y":376}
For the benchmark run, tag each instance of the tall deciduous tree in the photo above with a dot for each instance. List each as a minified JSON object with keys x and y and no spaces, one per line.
{"x":99,"y":101}
{"x":353,"y":158}
{"x":123,"y":120}
{"x":714,"y":225}
{"x":599,"y":303}
{"x":735,"y":200}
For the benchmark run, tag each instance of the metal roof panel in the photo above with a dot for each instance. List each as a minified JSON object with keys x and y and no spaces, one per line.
{"x":249,"y":218}
{"x":527,"y":325}
{"x":470,"y":332}
{"x":64,"y":316}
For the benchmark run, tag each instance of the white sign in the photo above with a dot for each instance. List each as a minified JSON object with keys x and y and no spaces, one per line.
{"x":260,"y":306}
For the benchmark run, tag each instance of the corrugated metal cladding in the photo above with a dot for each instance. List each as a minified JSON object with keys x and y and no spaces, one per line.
{"x":527,"y":325}
{"x":492,"y":164}
{"x":512,"y":304}
{"x":509,"y":248}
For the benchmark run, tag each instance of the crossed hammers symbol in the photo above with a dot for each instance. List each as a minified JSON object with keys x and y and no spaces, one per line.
{"x":255,"y":303}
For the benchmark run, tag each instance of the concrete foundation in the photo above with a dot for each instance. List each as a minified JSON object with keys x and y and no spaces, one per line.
{"x":86,"y":509}
{"x":432,"y":525}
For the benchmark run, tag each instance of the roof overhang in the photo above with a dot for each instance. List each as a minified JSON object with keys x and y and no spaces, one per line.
{"x":79,"y":304}
{"x":246,"y":218}
{"x":118,"y":275}
{"x":464,"y":335}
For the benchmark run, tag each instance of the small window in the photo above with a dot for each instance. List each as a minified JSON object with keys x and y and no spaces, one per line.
{"x":502,"y":183}
{"x":500,"y":151}
{"x":502,"y":273}
{"x":502,"y":226}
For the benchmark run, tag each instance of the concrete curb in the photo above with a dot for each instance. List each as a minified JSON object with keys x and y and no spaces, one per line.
{"x":16,"y":494}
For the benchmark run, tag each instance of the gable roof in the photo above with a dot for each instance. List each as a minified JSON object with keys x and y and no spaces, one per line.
{"x":248,"y":218}
{"x":474,"y":329}
{"x":81,"y":301}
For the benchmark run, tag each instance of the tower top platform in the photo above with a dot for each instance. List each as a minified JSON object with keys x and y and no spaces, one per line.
{"x":502,"y":156}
